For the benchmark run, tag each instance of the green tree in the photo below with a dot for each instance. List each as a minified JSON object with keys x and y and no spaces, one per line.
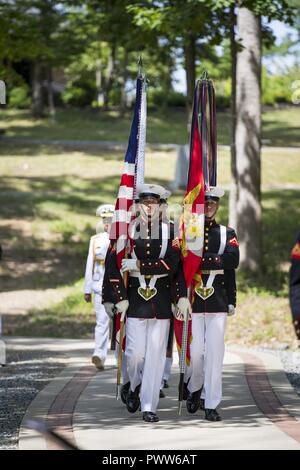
{"x":248,"y":125}
{"x":112,"y":42}
{"x":39,"y":32}
{"x":187,"y":26}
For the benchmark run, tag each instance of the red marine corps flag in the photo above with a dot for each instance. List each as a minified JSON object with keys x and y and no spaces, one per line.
{"x":201,"y":175}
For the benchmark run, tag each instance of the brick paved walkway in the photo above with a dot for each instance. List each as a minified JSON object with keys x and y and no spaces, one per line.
{"x":260,"y":409}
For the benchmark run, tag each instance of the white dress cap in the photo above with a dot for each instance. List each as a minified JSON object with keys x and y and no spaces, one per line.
{"x":154,"y":189}
{"x":215,"y":192}
{"x":105,"y":210}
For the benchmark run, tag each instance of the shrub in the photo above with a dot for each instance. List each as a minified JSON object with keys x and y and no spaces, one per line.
{"x":159,"y":98}
{"x":18,"y":97}
{"x":78,"y":94}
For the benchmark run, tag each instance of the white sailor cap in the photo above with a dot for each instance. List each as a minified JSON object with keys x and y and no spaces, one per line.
{"x":214,"y":193}
{"x":166,"y":195}
{"x":105,"y":210}
{"x":153,"y":190}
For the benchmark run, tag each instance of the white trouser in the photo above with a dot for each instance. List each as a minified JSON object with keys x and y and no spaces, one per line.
{"x":207,"y":353}
{"x":125,"y":377}
{"x":146,"y":344}
{"x":101,"y":329}
{"x":167,"y":370}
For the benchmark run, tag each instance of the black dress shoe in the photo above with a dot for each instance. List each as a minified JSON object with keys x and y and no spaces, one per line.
{"x":150,"y":417}
{"x":166,"y":385}
{"x":133,"y":400}
{"x":124,"y":392}
{"x":212,"y":415}
{"x":161,"y":394}
{"x":193,"y":401}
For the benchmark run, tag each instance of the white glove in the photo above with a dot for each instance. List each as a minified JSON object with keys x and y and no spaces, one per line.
{"x":184,"y":309}
{"x":122,"y":307}
{"x":231,"y":310}
{"x":129,"y":265}
{"x":110,"y":309}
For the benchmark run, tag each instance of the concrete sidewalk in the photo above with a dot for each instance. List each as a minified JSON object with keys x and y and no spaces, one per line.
{"x":260,"y":409}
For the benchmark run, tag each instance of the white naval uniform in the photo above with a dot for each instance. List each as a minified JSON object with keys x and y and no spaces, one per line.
{"x":207,"y":353}
{"x":167,"y":369}
{"x":94,"y":273}
{"x":146,"y":344}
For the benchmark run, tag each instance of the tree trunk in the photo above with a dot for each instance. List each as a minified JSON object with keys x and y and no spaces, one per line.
{"x":37,"y":95}
{"x":166,"y":83}
{"x":248,"y":139}
{"x":233,"y":195}
{"x":109,"y":76}
{"x":123,"y":82}
{"x":190,"y":69}
{"x":50,"y":95}
{"x":98,"y":78}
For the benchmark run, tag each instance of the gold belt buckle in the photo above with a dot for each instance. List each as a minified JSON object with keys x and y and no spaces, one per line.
{"x":204,"y":292}
{"x":147,"y":293}
{"x":101,"y":261}
{"x":148,"y":276}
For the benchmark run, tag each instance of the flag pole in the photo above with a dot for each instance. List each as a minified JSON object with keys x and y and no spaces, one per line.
{"x":182,"y":360}
{"x":202,"y":174}
{"x":120,"y":353}
{"x":184,"y":335}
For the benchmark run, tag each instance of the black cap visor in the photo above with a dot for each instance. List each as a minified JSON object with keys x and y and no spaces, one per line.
{"x":149,"y":195}
{"x":212,"y":198}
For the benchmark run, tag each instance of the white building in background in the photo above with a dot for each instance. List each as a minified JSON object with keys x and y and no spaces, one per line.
{"x":2,"y":92}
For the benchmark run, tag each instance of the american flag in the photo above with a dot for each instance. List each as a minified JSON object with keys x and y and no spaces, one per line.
{"x":133,"y":173}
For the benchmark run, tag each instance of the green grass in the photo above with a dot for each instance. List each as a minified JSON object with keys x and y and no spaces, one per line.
{"x":280,"y":127}
{"x":261,"y":319}
{"x":94,"y":125}
{"x":72,"y":317}
{"x":48,"y":197}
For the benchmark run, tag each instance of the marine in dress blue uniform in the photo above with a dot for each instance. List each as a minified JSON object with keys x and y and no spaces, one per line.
{"x":152,"y":263}
{"x":214,"y":299}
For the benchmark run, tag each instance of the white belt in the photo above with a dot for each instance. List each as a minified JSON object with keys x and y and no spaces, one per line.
{"x":212,"y":271}
{"x":137,"y":274}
